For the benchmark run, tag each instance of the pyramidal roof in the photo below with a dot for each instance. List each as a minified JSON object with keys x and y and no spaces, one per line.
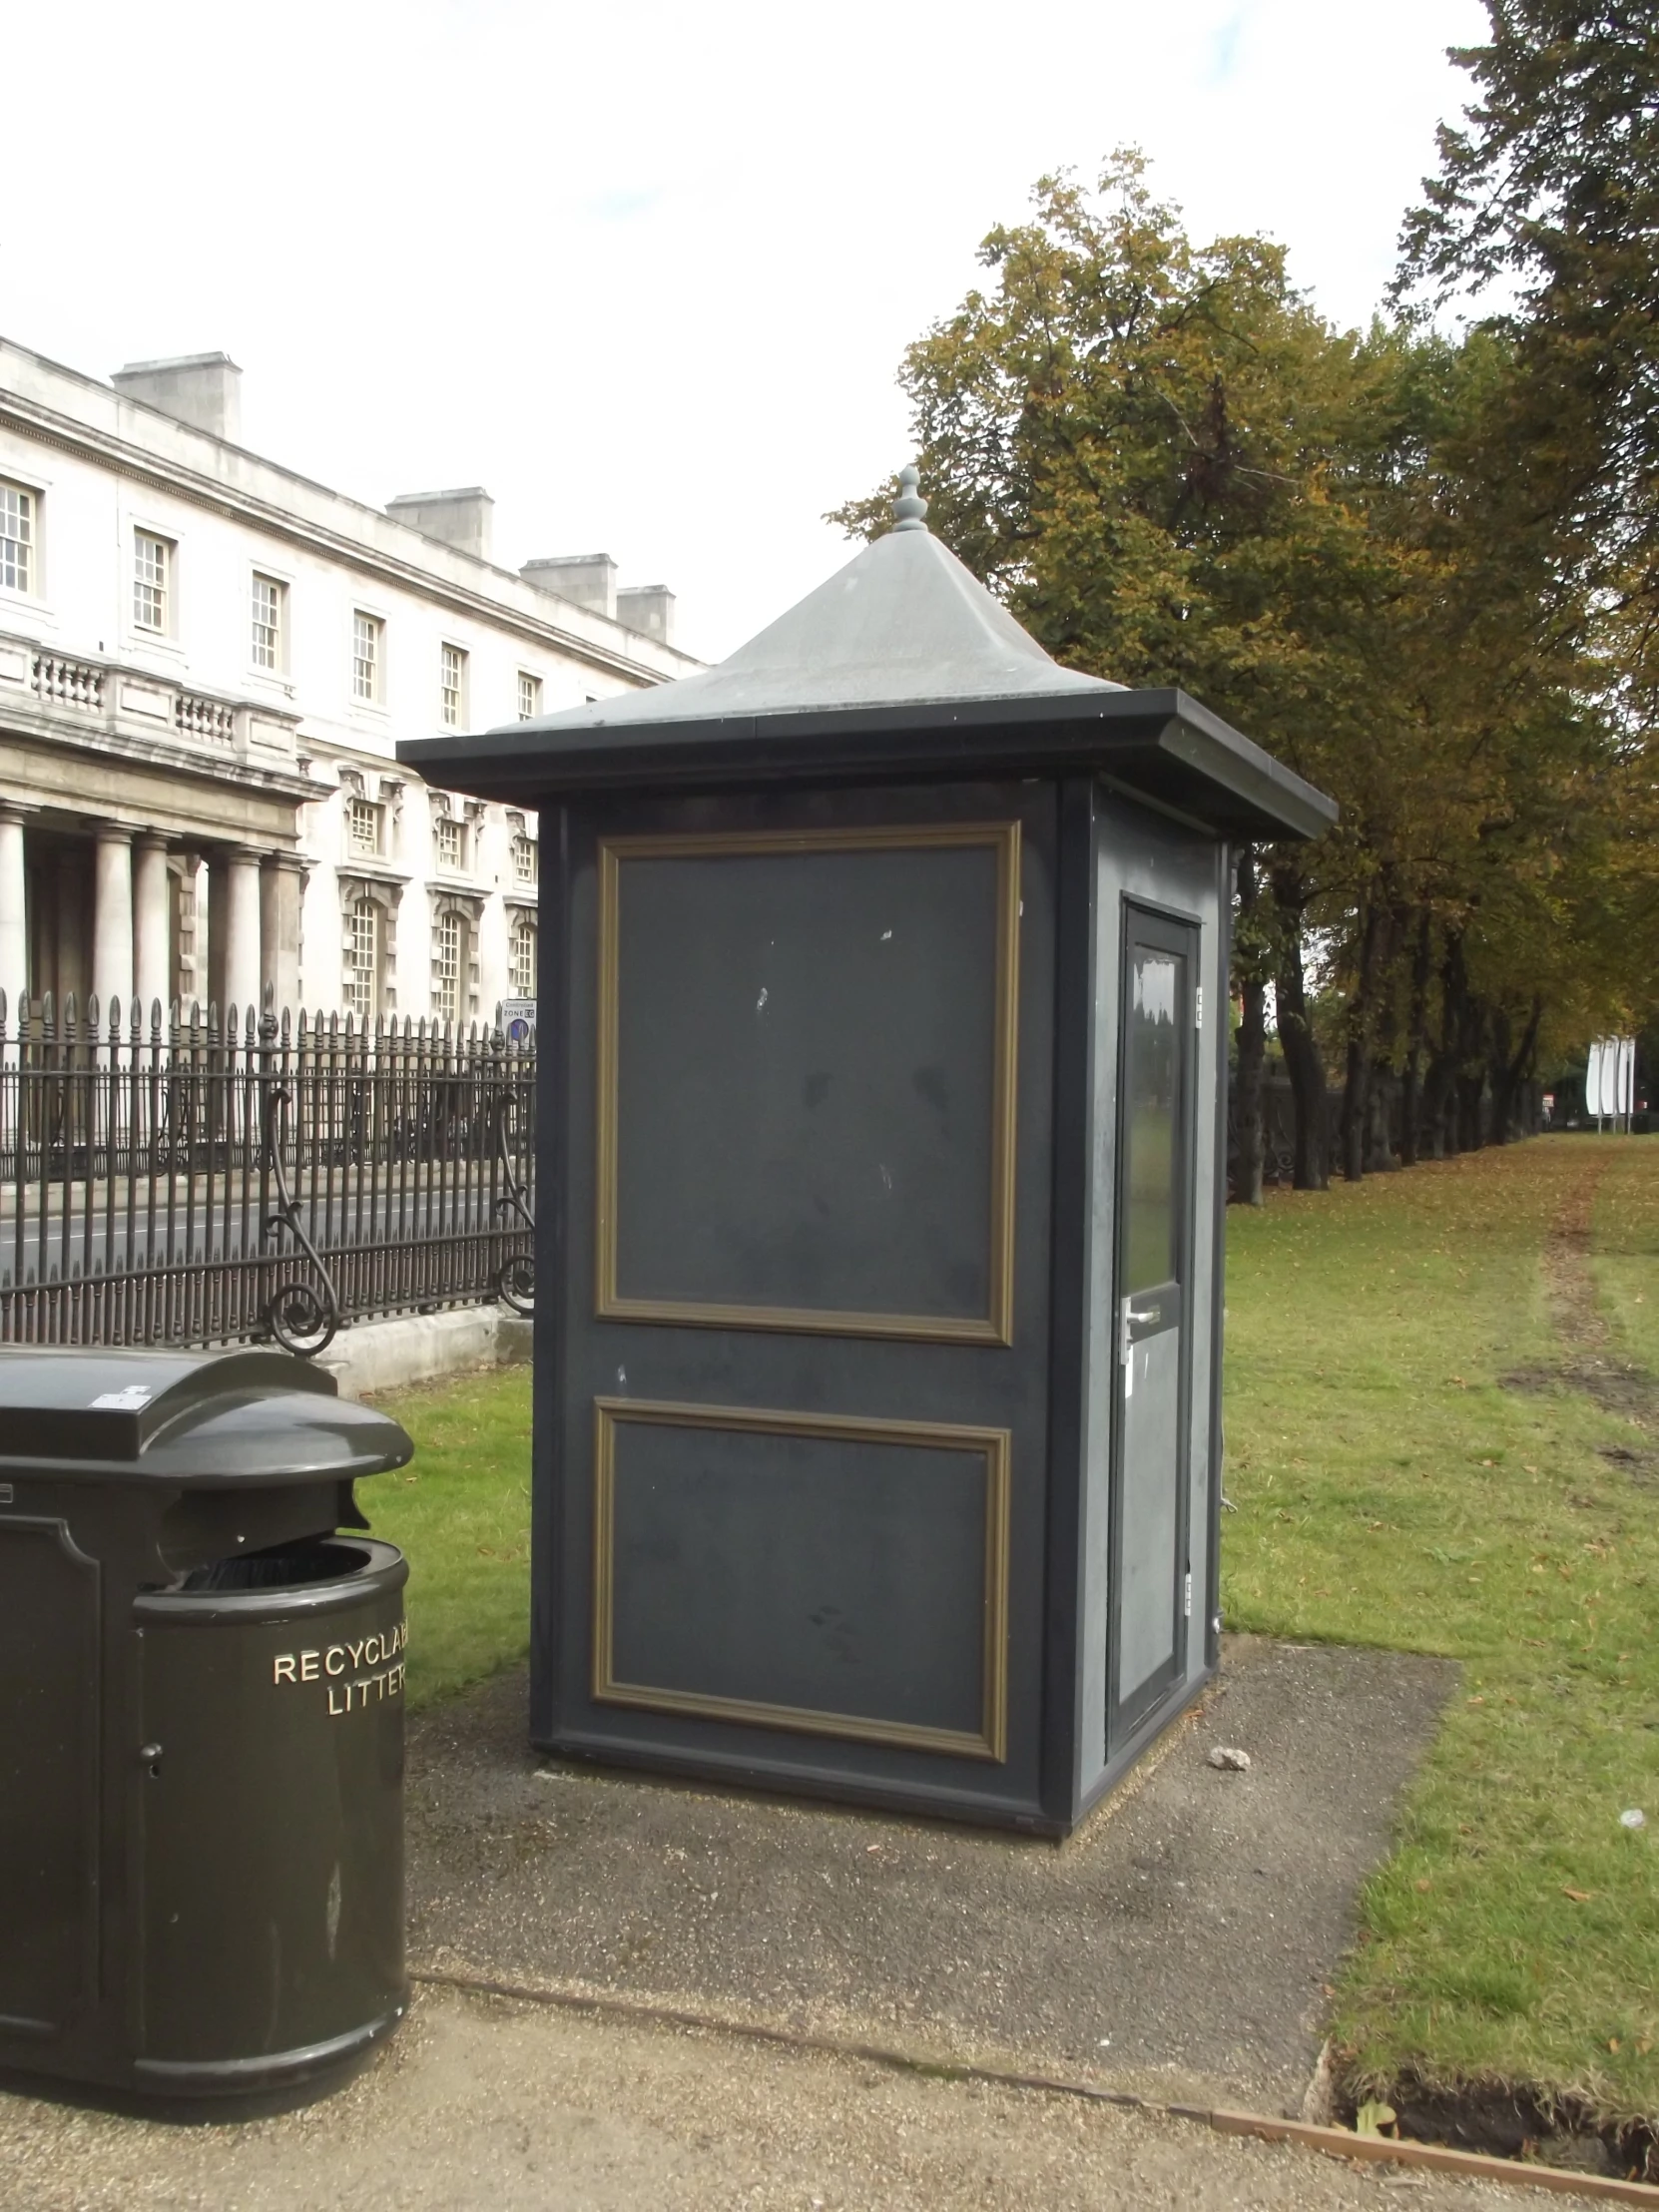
{"x":902,"y":666}
{"x":902,"y":622}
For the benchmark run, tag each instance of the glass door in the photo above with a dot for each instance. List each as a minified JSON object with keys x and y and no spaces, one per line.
{"x":1151,"y":1589}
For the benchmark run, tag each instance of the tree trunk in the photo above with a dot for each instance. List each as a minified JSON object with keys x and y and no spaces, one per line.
{"x":1509,"y":1071}
{"x":1311,"y":1154}
{"x":1360,"y":1060}
{"x":1411,"y":1102}
{"x":1252,"y":1032}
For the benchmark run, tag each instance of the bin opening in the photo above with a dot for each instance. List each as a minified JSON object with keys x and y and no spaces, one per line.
{"x":281,"y":1566}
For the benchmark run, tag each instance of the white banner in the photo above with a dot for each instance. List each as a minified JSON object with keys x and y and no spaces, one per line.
{"x":1610,"y":1078}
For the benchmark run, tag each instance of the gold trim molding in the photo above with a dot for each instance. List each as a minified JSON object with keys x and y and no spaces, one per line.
{"x":990,"y":1741}
{"x":992,"y":1327}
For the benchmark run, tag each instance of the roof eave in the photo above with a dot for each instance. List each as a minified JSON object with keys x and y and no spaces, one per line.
{"x":1160,"y":745}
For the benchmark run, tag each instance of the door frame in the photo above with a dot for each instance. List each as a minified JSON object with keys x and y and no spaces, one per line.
{"x":1183,"y":933}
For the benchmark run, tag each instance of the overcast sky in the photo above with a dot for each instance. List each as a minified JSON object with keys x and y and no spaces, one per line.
{"x":646,"y":270}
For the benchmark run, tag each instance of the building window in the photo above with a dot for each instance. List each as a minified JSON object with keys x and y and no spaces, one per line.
{"x":365,"y":655}
{"x":521,"y":957}
{"x":363,"y":959}
{"x":454,"y":686}
{"x":525,"y":860}
{"x":269,"y":598}
{"x":17,"y":540}
{"x":151,"y":582}
{"x":450,"y":838}
{"x":447,"y":945}
{"x":529,"y":696}
{"x":362,"y":827}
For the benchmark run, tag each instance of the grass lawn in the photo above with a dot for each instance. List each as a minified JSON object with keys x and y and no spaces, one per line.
{"x":1392,"y":1491}
{"x":1626,"y":1246}
{"x":462,"y":1513}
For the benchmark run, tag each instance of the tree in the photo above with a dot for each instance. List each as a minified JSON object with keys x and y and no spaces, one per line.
{"x":1175,"y":471}
{"x":1551,"y":185}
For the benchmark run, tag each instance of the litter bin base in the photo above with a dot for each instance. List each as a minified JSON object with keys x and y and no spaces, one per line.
{"x":219,"y":2086}
{"x":221,"y":2091}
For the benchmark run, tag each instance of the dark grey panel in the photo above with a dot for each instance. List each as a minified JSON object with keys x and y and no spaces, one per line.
{"x":806,"y":1077}
{"x":582,"y":1356}
{"x":827,"y":1573}
{"x":49,"y":1694}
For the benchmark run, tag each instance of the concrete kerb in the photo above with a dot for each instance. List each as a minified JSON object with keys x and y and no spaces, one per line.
{"x":424,"y":1347}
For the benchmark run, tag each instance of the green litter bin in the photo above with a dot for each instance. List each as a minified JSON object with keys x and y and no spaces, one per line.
{"x":202,"y":1669}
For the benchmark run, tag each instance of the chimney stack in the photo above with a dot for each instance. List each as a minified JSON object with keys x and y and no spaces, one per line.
{"x":203,"y":389}
{"x":584,"y":579}
{"x":648,"y":609}
{"x":458,"y":518}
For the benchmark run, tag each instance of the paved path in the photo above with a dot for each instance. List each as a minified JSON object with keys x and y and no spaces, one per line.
{"x":484,"y":2106}
{"x":1178,"y":1944}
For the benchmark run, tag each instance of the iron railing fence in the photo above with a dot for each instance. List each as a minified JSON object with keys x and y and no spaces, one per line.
{"x":186,"y":1179}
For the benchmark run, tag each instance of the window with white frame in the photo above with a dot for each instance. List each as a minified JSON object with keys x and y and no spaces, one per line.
{"x":454,"y":687}
{"x":448,"y":951}
{"x":367,"y":656}
{"x":525,"y":860}
{"x":363,"y":959}
{"x":19,"y":534}
{"x":450,"y":839}
{"x":268,"y":611}
{"x":529,"y":696}
{"x":521,"y":957}
{"x":362,"y":827}
{"x":151,"y":583}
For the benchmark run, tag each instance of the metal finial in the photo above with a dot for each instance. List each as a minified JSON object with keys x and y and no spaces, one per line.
{"x":910,"y":508}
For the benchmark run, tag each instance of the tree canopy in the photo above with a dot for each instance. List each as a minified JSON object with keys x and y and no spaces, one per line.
{"x":1175,"y":470}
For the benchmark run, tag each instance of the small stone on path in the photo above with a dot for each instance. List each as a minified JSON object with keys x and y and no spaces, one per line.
{"x":1230,"y":1760}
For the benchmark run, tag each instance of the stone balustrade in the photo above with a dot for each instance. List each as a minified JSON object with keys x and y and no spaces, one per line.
{"x":123,"y":702}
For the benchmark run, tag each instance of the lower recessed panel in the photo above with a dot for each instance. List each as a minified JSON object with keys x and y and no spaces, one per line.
{"x":835,"y":1576}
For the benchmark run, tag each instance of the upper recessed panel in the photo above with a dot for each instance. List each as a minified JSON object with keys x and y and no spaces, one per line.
{"x":805,"y":1083}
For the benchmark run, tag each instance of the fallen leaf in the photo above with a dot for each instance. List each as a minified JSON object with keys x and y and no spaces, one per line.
{"x":1372,"y":2117}
{"x":1424,"y":1882}
{"x":1612,"y":2042}
{"x":1580,"y":1896}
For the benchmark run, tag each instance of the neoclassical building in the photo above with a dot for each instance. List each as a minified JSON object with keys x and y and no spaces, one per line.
{"x":206,"y":662}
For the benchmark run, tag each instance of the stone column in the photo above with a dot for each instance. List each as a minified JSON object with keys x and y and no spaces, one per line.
{"x":69,"y":968}
{"x":282,"y":880}
{"x":241,"y":932}
{"x":112,"y":925}
{"x":14,"y":938}
{"x":152,"y":925}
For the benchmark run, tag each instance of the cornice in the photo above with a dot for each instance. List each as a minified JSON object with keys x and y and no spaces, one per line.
{"x":85,"y":443}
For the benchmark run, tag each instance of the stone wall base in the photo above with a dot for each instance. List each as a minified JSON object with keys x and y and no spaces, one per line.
{"x":375,"y":1356}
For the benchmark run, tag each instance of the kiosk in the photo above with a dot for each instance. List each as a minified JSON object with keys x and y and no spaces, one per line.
{"x":882,"y":1117}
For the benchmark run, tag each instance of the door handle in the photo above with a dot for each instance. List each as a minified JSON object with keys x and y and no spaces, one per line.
{"x":1127,"y":1319}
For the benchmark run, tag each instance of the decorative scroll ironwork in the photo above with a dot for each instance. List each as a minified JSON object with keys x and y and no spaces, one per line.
{"x":517,"y":1283}
{"x":302,"y":1316}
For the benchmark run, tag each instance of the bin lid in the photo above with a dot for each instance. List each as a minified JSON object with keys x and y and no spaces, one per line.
{"x":196,"y":1419}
